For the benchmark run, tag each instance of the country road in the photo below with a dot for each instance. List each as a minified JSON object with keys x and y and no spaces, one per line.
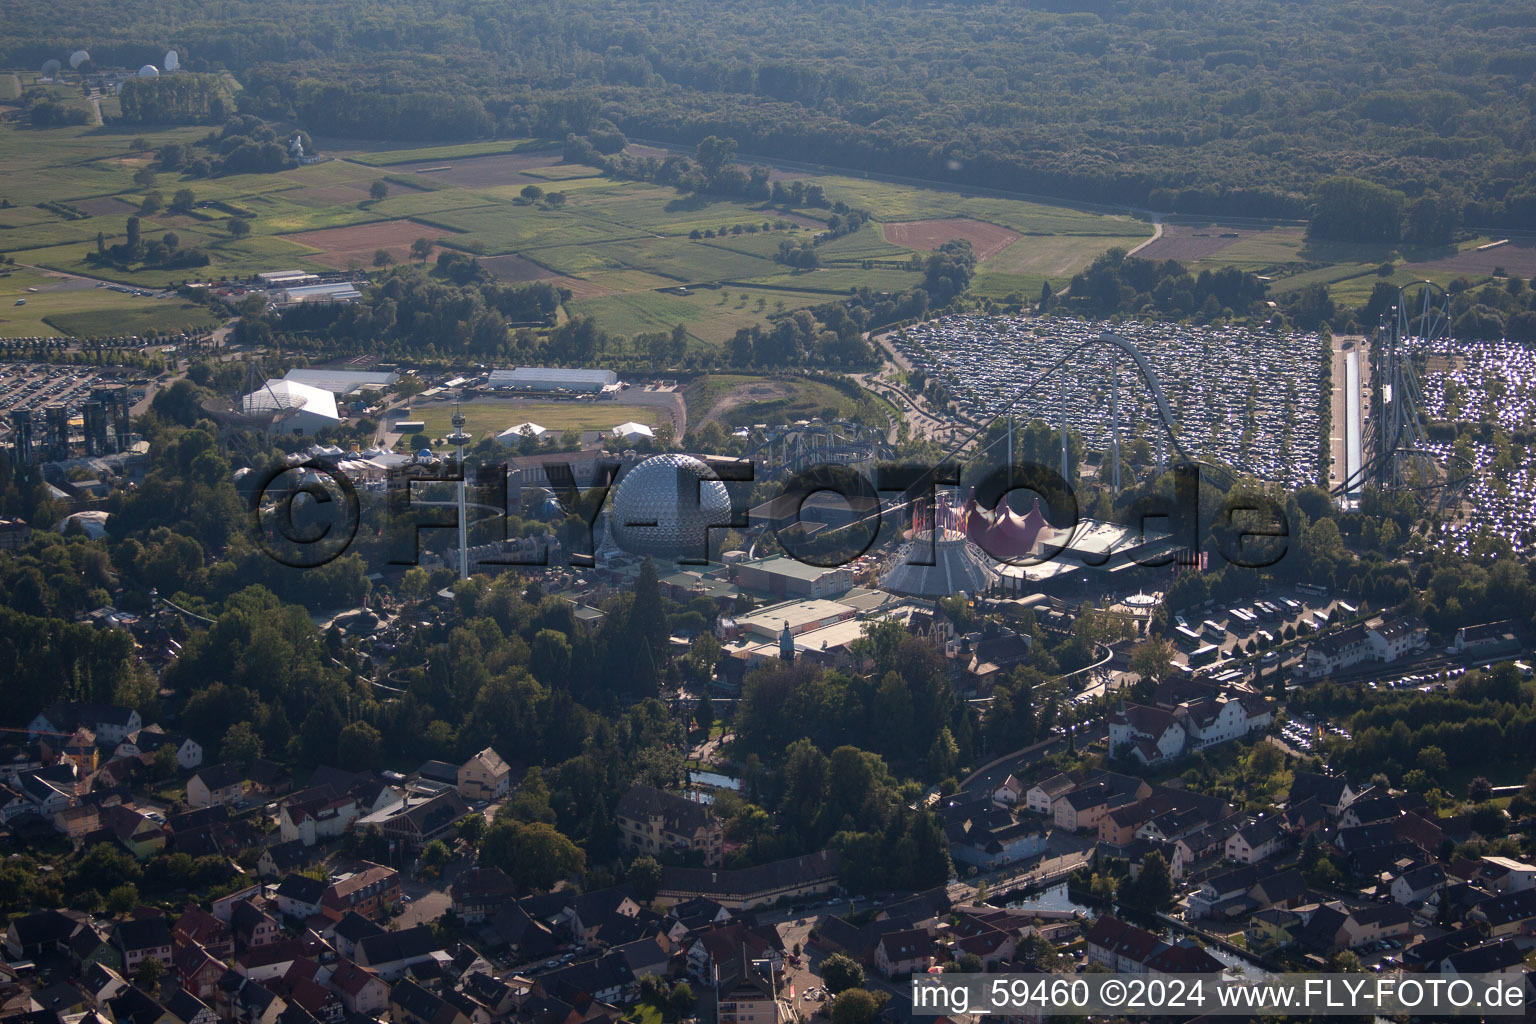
{"x":1157,"y":232}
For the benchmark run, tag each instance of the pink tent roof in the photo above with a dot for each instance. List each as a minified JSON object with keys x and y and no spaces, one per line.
{"x":1011,"y":535}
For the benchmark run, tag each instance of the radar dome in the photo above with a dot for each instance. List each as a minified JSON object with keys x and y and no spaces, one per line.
{"x":665,"y":506}
{"x":51,"y":67}
{"x":149,"y":71}
{"x":78,"y":57}
{"x":172,"y":60}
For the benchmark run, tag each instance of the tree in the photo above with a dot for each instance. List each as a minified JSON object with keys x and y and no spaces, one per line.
{"x":122,"y":899}
{"x":856,"y":1006}
{"x":1353,"y":210}
{"x":241,"y":744}
{"x":183,"y":200}
{"x":1344,"y":962}
{"x":472,"y":829}
{"x":532,"y":193}
{"x":358,"y":746}
{"x":681,"y":1000}
{"x":415,"y":584}
{"x":704,"y":714}
{"x":435,"y":854}
{"x":1153,"y":889}
{"x":1480,"y":789}
{"x":382,"y":258}
{"x":531,"y":801}
{"x":239,"y":227}
{"x":153,"y":203}
{"x":840,"y":972}
{"x":1152,"y":659}
{"x":645,"y":876}
{"x":421,"y":249}
{"x":712,"y":155}
{"x":379,"y":190}
{"x":148,"y":976}
{"x":165,"y":763}
{"x":133,"y":240}
{"x":531,"y":853}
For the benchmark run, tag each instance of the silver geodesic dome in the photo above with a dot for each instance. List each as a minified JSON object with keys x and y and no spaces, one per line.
{"x":664,"y":507}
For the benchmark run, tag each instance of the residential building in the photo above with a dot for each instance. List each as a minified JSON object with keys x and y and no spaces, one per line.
{"x":1255,"y":841}
{"x":651,"y":821}
{"x":745,"y":997}
{"x":109,"y":722}
{"x":366,"y":890}
{"x":485,"y":776}
{"x":299,"y":897}
{"x":1155,"y":733}
{"x":391,"y":953}
{"x":478,"y":892}
{"x":316,"y":816}
{"x":904,"y":952}
{"x":143,"y":938}
{"x":219,"y":784}
{"x":409,"y":1003}
{"x":362,"y":991}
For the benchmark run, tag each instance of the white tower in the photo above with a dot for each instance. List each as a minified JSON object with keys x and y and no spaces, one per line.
{"x":459,"y":439}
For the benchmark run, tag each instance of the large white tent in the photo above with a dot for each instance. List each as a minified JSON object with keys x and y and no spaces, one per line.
{"x":633,"y":431}
{"x":297,"y":408}
{"x":514,"y":434}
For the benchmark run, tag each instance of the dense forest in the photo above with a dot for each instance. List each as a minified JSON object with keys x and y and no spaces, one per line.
{"x":1237,"y":107}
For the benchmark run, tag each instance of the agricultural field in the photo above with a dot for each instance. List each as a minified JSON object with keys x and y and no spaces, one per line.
{"x":987,"y":240}
{"x":352,"y":248}
{"x":489,"y":417}
{"x":1034,"y":259}
{"x":630,"y":253}
{"x":712,"y":315}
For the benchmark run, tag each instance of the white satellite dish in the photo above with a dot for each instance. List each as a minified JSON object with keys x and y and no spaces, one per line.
{"x":172,"y":60}
{"x":149,"y":71}
{"x":51,"y":68}
{"x":77,"y":58}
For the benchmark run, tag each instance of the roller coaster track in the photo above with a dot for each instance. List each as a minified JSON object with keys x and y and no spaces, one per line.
{"x":1408,"y":332}
{"x":1220,"y":476}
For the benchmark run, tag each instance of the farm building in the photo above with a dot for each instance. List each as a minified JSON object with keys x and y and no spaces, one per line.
{"x":552,"y":379}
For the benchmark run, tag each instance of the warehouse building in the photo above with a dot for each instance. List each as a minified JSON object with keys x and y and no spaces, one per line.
{"x":553,"y":380}
{"x":342,"y":382}
{"x":792,"y":578}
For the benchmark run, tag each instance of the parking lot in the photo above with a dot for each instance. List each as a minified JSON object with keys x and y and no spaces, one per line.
{"x":1240,"y":396}
{"x":33,"y":386}
{"x":1303,"y":732}
{"x":1492,"y":382}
